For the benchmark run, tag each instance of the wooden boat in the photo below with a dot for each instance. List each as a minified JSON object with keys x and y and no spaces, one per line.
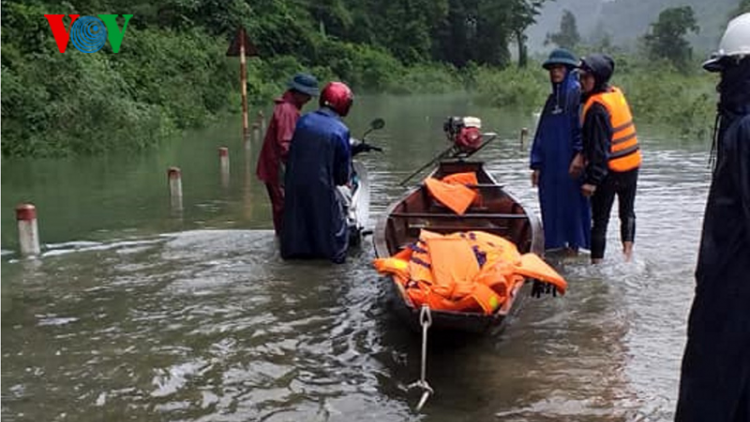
{"x":500,"y":214}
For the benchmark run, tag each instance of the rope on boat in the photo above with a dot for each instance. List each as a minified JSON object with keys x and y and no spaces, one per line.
{"x":425,"y":320}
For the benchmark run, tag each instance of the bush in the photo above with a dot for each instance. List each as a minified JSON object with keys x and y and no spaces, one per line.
{"x":660,"y":95}
{"x":526,"y":88}
{"x":73,"y":103}
{"x":424,"y":78}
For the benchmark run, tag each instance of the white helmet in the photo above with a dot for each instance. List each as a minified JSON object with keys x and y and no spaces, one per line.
{"x":734,"y":43}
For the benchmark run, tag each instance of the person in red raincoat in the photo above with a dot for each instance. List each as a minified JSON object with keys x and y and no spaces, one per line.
{"x":273,"y":155}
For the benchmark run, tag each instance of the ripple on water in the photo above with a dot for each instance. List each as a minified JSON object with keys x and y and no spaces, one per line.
{"x":211,"y":325}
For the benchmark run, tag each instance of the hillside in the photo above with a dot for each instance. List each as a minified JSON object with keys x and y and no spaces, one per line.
{"x":632,"y":19}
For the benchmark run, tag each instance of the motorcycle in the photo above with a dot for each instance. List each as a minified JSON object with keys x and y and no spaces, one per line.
{"x":357,"y":196}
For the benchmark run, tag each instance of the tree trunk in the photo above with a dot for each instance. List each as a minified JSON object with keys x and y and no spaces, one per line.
{"x":522,"y":53}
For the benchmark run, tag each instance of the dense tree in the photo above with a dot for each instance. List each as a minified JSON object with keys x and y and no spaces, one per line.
{"x":628,"y":20}
{"x":172,"y":72}
{"x":667,"y":37}
{"x":568,"y":36}
{"x":523,"y":15}
{"x":481,"y":31}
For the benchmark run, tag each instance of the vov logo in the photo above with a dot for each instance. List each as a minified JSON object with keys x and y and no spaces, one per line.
{"x":89,"y":33}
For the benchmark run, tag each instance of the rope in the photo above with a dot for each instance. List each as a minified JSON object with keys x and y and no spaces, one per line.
{"x":425,"y":320}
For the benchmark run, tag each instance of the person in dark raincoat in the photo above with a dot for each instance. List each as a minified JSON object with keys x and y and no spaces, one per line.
{"x":314,"y":224}
{"x":566,"y":214}
{"x":612,"y":154}
{"x":715,"y":381}
{"x":273,"y":154}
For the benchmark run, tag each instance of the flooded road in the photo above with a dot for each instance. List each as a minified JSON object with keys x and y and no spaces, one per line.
{"x":137,"y":312}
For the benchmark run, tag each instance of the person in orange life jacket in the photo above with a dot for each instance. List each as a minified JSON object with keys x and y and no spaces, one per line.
{"x":273,"y":154}
{"x":715,"y":378}
{"x":611,"y":151}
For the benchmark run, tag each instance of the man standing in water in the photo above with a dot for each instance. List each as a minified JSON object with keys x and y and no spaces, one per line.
{"x":715,"y":384}
{"x":612,"y":154}
{"x":314,"y":223}
{"x":566,"y":214}
{"x":275,"y":149}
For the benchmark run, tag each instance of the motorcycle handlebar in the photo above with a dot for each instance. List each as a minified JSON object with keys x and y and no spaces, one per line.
{"x":361,"y":146}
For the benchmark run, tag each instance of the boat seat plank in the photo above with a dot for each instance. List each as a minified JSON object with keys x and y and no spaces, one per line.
{"x":429,"y":215}
{"x":485,"y":186}
{"x":441,"y":209}
{"x":413,"y":237}
{"x":456,"y":228}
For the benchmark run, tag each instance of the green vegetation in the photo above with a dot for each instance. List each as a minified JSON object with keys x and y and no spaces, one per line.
{"x":568,"y":37}
{"x":172,"y":74}
{"x":667,"y":37}
{"x":625,"y":21}
{"x":678,"y":102}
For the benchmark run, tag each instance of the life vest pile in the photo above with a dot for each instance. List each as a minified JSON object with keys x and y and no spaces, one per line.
{"x":453,"y":192}
{"x":464,"y":272}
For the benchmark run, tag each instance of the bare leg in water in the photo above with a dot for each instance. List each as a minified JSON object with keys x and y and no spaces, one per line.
{"x":626,"y":197}
{"x":627,"y":250}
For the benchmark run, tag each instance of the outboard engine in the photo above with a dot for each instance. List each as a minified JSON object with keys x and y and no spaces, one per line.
{"x":464,"y":132}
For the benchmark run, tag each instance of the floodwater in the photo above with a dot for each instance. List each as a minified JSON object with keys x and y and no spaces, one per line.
{"x":140,"y":312}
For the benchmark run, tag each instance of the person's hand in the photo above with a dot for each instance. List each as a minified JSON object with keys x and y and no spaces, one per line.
{"x":540,"y":288}
{"x":588,"y":189}
{"x":535,"y":178}
{"x":576,"y":166}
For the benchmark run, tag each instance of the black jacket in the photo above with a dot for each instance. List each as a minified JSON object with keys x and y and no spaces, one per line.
{"x":596,"y":134}
{"x":597,"y":128}
{"x":715,"y":382}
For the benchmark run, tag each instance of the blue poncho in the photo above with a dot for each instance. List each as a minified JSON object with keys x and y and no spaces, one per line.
{"x":566,"y":214}
{"x":314,"y":224}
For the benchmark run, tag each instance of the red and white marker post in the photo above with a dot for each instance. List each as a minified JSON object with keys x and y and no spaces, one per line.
{"x":174,"y":177}
{"x":28,"y":232}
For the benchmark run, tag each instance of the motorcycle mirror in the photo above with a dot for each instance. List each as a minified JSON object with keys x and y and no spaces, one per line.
{"x":377,"y":124}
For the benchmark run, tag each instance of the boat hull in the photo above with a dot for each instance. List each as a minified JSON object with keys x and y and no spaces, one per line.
{"x":501,"y":215}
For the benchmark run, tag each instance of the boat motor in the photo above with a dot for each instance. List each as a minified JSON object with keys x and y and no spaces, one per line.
{"x":464,"y":132}
{"x":466,"y":138}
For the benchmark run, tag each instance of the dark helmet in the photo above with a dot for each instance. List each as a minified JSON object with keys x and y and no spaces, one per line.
{"x":600,"y":66}
{"x":560,"y":56}
{"x":338,"y":97}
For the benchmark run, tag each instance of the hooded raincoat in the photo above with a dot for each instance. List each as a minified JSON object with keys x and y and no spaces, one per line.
{"x":597,"y":134}
{"x":314,"y":224}
{"x":273,"y":154}
{"x":715,"y":382}
{"x":566,"y":214}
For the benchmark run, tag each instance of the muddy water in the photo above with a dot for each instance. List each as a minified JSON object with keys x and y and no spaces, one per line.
{"x":140,"y":312}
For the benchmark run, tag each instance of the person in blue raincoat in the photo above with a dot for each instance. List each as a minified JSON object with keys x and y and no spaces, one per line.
{"x":314,"y":222}
{"x":566,"y":213}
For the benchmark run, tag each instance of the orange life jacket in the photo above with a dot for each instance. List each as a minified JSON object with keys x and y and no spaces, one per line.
{"x":624,"y":153}
{"x":454,"y":196}
{"x":467,"y":178}
{"x":466,"y":271}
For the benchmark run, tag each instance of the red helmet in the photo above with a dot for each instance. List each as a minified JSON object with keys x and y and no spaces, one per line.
{"x":338,"y":97}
